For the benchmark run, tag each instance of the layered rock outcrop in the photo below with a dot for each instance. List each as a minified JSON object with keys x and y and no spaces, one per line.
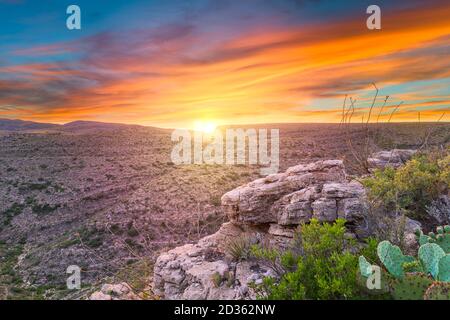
{"x":268,"y":209}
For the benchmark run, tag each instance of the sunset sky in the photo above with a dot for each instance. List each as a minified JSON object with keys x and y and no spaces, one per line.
{"x":171,"y":63}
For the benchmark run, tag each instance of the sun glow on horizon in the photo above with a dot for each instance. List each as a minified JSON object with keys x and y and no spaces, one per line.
{"x":205,"y":126}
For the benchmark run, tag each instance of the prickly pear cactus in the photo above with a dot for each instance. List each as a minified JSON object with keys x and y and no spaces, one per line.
{"x":430,"y":254}
{"x":441,"y":238}
{"x":438,"y":291}
{"x":365,"y":267}
{"x":383,"y":290}
{"x":392,"y":258}
{"x":444,"y":269}
{"x":412,"y":287}
{"x":421,"y":237}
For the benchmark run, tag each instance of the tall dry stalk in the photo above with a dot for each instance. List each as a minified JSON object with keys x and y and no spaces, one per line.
{"x":371,"y":132}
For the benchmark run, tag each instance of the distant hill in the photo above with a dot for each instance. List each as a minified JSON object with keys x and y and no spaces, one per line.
{"x":20,"y":125}
{"x":87,"y":126}
{"x":78,"y":126}
{"x":94,"y":124}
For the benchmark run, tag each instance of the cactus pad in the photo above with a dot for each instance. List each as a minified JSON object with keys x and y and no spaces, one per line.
{"x":441,"y":238}
{"x":444,"y":269}
{"x":429,"y":255}
{"x":438,"y":291}
{"x":412,"y":287}
{"x":392,"y":258}
{"x":365,"y":267}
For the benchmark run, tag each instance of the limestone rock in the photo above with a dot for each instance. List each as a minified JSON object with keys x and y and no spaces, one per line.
{"x":439,"y":209}
{"x":295,"y":213}
{"x":351,"y":209}
{"x":98,"y":295}
{"x":249,"y":203}
{"x":393,"y":158}
{"x":353,"y":189}
{"x":325,"y":209}
{"x":281,"y":236}
{"x":412,"y":225}
{"x":281,"y":231}
{"x":191,"y":271}
{"x":411,"y":243}
{"x":120,"y":291}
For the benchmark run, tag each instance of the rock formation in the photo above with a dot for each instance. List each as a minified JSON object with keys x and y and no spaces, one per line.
{"x":268,"y":209}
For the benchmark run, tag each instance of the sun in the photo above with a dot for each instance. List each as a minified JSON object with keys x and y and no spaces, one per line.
{"x":205,"y":126}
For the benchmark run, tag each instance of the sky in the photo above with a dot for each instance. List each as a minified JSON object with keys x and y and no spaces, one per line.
{"x":173,"y":63}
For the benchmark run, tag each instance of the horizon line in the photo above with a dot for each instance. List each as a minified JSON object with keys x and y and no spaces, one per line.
{"x":225,"y":125}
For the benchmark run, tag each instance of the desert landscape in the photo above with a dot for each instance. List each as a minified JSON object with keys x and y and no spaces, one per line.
{"x":107,"y":197}
{"x":194,"y":150}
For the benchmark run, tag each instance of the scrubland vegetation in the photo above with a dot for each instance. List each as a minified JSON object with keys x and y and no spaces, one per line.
{"x":324,"y":264}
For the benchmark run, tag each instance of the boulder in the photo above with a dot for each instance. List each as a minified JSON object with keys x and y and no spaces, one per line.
{"x":392,"y":158}
{"x":411,"y":225}
{"x":295,"y":207}
{"x":439,"y":209}
{"x":98,"y":295}
{"x":120,"y":291}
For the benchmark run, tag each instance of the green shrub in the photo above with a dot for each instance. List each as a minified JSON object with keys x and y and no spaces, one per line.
{"x":412,"y":187}
{"x":239,"y":248}
{"x":92,"y":236}
{"x":11,"y":212}
{"x":324,"y":269}
{"x":132,"y":232}
{"x":444,"y":167}
{"x":136,"y":274}
{"x":216,"y":279}
{"x":43,"y":209}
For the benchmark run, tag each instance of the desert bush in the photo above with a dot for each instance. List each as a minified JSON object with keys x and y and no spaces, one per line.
{"x":239,"y":248}
{"x":136,"y":274}
{"x":412,"y":187}
{"x":216,"y":279}
{"x":43,"y":209}
{"x":325,"y":268}
{"x":280,"y":262}
{"x":92,"y":237}
{"x":444,"y":168}
{"x":11,"y":212}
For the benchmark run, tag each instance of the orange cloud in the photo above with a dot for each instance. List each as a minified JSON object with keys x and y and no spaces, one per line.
{"x":263,"y":75}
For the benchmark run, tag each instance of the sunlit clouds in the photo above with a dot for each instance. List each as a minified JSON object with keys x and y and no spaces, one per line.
{"x":263,"y":71}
